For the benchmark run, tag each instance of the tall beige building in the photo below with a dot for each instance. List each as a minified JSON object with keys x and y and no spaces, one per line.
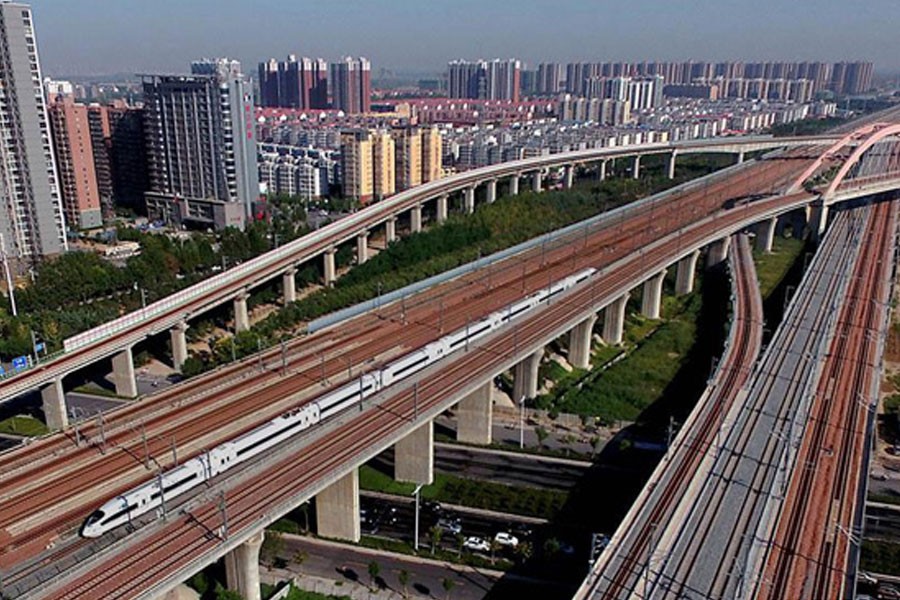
{"x":409,"y":157}
{"x":384,"y":181}
{"x":357,"y":163}
{"x":431,"y":155}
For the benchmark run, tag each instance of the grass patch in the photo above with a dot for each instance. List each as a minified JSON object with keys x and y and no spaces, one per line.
{"x":93,"y":389}
{"x":884,"y":498}
{"x":531,"y":502}
{"x":880,"y":557}
{"x":772,"y":268}
{"x":23,"y":425}
{"x":463,"y":558}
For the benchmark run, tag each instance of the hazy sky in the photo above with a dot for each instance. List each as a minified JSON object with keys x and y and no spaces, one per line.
{"x":110,"y":36}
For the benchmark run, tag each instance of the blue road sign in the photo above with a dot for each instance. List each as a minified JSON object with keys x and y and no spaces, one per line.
{"x":20,"y":362}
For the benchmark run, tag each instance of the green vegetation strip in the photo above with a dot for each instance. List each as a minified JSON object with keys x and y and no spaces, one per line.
{"x":880,"y":557}
{"x":772,"y":268}
{"x":526,"y":501}
{"x":23,"y":425}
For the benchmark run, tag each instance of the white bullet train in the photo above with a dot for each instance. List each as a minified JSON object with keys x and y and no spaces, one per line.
{"x":133,"y":503}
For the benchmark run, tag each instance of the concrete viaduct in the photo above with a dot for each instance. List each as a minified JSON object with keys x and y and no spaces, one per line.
{"x":116,"y":338}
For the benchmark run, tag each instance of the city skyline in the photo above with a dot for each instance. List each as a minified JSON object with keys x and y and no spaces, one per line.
{"x":111,"y":41}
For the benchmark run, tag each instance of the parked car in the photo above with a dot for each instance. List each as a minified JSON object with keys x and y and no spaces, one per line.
{"x":506,"y":540}
{"x":450,"y":524}
{"x":476,"y":544}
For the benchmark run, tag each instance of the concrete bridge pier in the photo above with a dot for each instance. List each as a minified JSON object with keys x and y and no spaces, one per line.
{"x":123,"y":374}
{"x":53,"y":399}
{"x":179,"y":344}
{"x":636,"y":167}
{"x":514,"y":185}
{"x":718,"y":251}
{"x":289,"y":285}
{"x":602,"y":170}
{"x":491,"y":191}
{"x":469,"y":200}
{"x":525,"y":377}
{"x":330,"y":271}
{"x":670,"y":165}
{"x":443,"y":203}
{"x":817,"y":219}
{"x":652,"y":299}
{"x":241,"y":316}
{"x":242,"y":567}
{"x":740,"y":157}
{"x":337,"y":509}
{"x":390,"y":230}
{"x":580,"y":338}
{"x":415,"y":218}
{"x":414,"y":456}
{"x":474,"y":416}
{"x":684,"y":278}
{"x":569,"y":176}
{"x":765,"y":235}
{"x":362,"y":247}
{"x":614,"y":320}
{"x":537,"y":180}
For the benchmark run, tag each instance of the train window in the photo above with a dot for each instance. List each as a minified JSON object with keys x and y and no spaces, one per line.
{"x":97,"y":515}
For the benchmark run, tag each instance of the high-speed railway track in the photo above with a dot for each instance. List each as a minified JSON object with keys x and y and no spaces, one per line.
{"x":722,"y":531}
{"x":620,"y":568}
{"x":63,"y":482}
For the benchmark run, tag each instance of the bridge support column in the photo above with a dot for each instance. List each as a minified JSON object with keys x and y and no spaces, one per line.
{"x":362,"y":247}
{"x":614,"y":320}
{"x":330,"y":271}
{"x":242,"y":567}
{"x":670,"y":165}
{"x":765,"y":235}
{"x":602,"y":170}
{"x":415,"y":218}
{"x":337,"y":509}
{"x":718,"y":252}
{"x":469,"y":200}
{"x":687,"y":268}
{"x":514,"y":185}
{"x":636,"y":167}
{"x":740,"y":157}
{"x":241,"y":316}
{"x":525,"y":377}
{"x":442,"y":208}
{"x":569,"y":176}
{"x":414,"y":456}
{"x":817,"y":220}
{"x":491,"y":191}
{"x":390,"y":230}
{"x":123,"y":374}
{"x":53,"y":398}
{"x":537,"y":180}
{"x":179,"y":344}
{"x":289,"y":285}
{"x":474,"y":416}
{"x":580,"y":338}
{"x":652,"y":299}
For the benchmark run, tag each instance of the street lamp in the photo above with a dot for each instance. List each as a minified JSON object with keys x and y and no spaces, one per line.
{"x":522,"y":423}
{"x":416,"y":526}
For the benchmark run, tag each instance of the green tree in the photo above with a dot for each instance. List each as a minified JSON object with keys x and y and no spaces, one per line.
{"x":460,"y":540}
{"x":435,"y":534}
{"x":298,"y":559}
{"x":542,"y":435}
{"x":403,"y":578}
{"x":524,"y":551}
{"x":448,"y":584}
{"x":374,"y":571}
{"x":272,"y":547}
{"x":552,"y":546}
{"x":495,"y":546}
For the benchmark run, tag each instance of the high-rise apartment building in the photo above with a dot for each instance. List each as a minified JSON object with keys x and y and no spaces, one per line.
{"x":101,"y":146}
{"x":71,"y":131}
{"x":31,"y":214}
{"x":408,"y":143}
{"x":549,"y":79}
{"x":357,"y":165}
{"x":431,"y":154}
{"x":384,"y":177}
{"x":127,"y":154}
{"x":351,"y":85}
{"x":201,"y":146}
{"x":484,"y":80}
{"x":295,"y":83}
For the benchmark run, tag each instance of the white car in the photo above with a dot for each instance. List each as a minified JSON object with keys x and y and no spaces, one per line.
{"x":476,"y":544}
{"x":507,"y":540}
